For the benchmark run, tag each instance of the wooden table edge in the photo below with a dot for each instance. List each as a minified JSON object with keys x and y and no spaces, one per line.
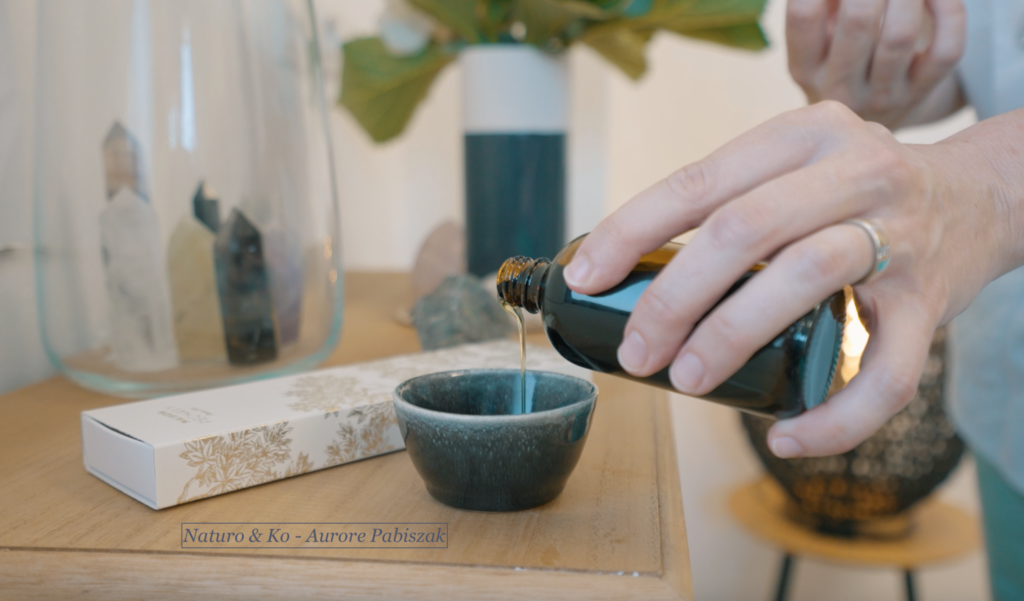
{"x":114,"y":575}
{"x":675,"y":558}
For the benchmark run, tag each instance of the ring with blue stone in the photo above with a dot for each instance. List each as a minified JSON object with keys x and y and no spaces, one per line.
{"x":880,"y":241}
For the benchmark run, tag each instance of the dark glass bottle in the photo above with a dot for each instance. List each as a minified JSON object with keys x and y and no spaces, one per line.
{"x":788,"y":376}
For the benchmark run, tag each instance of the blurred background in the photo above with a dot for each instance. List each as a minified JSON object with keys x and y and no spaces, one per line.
{"x":622,"y":136}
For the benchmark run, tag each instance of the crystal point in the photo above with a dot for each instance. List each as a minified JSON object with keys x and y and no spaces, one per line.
{"x":198,"y":326}
{"x":142,"y":332}
{"x":244,"y":285}
{"x":122,"y":159}
{"x":206,"y":207}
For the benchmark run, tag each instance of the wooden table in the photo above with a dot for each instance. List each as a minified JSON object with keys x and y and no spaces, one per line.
{"x":617,"y":531}
{"x":938,"y":532}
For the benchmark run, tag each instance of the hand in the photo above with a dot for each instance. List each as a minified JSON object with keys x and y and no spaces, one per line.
{"x":778,"y":192}
{"x":882,"y":58}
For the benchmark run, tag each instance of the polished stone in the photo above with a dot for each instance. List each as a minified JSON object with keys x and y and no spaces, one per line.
{"x":458,"y":312}
{"x":141,"y":326}
{"x":243,"y":283}
{"x":198,"y":326}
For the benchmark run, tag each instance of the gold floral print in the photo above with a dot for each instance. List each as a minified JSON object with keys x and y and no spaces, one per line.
{"x":367,"y":437}
{"x":238,"y":460}
{"x":327,"y":393}
{"x":299,"y":466}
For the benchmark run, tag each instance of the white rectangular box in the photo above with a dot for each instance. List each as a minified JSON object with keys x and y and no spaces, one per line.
{"x":176,"y":449}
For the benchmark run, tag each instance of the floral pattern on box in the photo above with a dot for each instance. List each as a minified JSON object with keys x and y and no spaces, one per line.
{"x":240,"y":460}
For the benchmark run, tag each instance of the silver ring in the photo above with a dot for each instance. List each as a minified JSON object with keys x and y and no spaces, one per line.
{"x":880,"y":242}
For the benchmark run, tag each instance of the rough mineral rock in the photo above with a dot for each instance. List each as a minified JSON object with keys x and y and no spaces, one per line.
{"x":197,"y":321}
{"x":243,"y":283}
{"x":122,"y":158}
{"x":142,"y":330}
{"x":459,"y":311}
{"x":206,"y":207}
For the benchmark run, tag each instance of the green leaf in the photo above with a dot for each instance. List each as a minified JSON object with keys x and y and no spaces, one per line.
{"x":621,"y":46}
{"x":546,"y":19}
{"x":495,"y":16}
{"x":382,"y":90}
{"x":459,"y":15}
{"x":749,"y":36}
{"x":659,"y":10}
{"x":677,"y":15}
{"x":728,"y":22}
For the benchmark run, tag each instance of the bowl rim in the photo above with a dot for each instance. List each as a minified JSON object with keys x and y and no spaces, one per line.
{"x":590,"y":398}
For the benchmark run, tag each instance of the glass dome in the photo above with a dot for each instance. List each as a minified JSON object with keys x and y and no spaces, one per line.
{"x":185,"y":205}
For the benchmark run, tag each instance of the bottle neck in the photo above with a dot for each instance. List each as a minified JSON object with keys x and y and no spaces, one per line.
{"x":521,"y":282}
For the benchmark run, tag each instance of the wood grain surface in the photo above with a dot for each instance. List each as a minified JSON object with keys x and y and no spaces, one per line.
{"x":617,"y":531}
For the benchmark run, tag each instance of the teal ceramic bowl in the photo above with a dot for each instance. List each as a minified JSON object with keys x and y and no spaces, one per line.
{"x":474,"y":447}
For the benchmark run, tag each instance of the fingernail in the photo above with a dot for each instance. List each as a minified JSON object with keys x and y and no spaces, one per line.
{"x":578,"y":271}
{"x":687,"y":373}
{"x":633,"y":353}
{"x":786,"y":447}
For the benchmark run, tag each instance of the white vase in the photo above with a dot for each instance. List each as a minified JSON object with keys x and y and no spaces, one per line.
{"x":515,"y":116}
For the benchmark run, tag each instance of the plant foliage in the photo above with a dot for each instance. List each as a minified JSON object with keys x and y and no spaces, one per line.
{"x":382,"y":89}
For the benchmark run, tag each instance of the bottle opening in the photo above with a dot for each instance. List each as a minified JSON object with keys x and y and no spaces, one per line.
{"x":519,"y":282}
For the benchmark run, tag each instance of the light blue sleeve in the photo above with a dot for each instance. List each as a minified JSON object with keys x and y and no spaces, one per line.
{"x":992,"y":69}
{"x":986,"y":391}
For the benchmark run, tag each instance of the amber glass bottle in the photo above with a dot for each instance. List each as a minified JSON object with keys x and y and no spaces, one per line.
{"x":786,"y":377}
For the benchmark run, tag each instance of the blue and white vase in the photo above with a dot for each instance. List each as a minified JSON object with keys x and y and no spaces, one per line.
{"x":515,"y":115}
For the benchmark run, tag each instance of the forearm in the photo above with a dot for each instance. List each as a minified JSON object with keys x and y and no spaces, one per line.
{"x":991,"y":154}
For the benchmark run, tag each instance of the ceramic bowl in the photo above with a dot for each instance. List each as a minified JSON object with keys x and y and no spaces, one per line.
{"x":475,"y":448}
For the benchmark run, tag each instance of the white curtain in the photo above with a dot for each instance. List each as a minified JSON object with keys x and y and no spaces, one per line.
{"x":22,"y":360}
